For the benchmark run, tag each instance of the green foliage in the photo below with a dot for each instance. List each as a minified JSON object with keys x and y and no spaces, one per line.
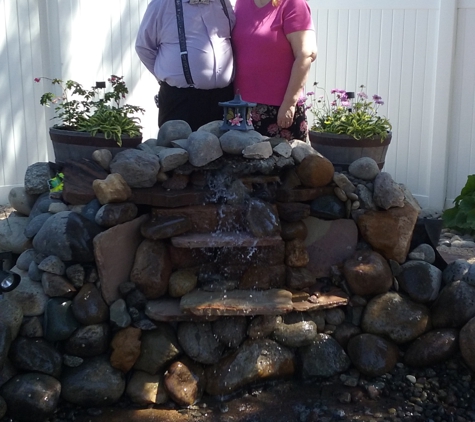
{"x":82,"y":110}
{"x":462,"y":216}
{"x":347,"y":116}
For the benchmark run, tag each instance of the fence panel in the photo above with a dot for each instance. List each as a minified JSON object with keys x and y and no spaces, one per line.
{"x":399,"y":50}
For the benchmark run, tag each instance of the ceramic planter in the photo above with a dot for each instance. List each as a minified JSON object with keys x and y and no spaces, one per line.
{"x":74,"y":146}
{"x":342,"y":150}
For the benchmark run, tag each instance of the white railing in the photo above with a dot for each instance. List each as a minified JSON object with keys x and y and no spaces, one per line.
{"x":417,"y":54}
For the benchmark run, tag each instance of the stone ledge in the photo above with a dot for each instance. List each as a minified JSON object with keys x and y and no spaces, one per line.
{"x":237,"y":302}
{"x":223,"y":240}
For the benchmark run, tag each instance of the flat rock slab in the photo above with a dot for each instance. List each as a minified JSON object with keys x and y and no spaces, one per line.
{"x":160,"y":197}
{"x":223,"y":240}
{"x":168,"y":310}
{"x":321,"y":297}
{"x":237,"y":302}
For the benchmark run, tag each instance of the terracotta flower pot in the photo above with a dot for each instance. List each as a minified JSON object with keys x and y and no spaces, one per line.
{"x":74,"y":146}
{"x":342,"y":150}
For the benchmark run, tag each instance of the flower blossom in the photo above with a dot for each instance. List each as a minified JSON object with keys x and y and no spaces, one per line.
{"x":236,"y":121}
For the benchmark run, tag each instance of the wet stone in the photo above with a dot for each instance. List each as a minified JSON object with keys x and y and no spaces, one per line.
{"x":328,"y":207}
{"x":119,"y":315}
{"x":57,"y":286}
{"x":59,"y":321}
{"x":158,"y":348}
{"x":432,"y":347}
{"x":88,"y":306}
{"x":125,"y":348}
{"x":31,"y":397}
{"x":237,"y":302}
{"x":295,"y":335}
{"x":144,"y":389}
{"x":199,"y":342}
{"x":372,"y":355}
{"x":297,"y":230}
{"x":230,"y":331}
{"x":185,"y":381}
{"x":292,"y":212}
{"x":94,"y":383}
{"x":88,"y":341}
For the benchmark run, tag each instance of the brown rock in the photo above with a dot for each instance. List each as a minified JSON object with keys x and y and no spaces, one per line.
{"x":112,"y":189}
{"x":432,"y":347}
{"x":160,"y":197}
{"x":296,"y":254}
{"x":302,"y":194}
{"x":290,"y":231}
{"x":88,"y":306}
{"x":262,"y":326}
{"x":396,"y":317}
{"x":57,"y":285}
{"x":176,"y":182}
{"x":315,"y":171}
{"x":329,"y":243}
{"x":293,"y":212}
{"x":467,"y":343}
{"x":152,"y":269}
{"x":88,"y":341}
{"x":164,"y":227}
{"x":367,"y":273}
{"x":78,"y":180}
{"x":389,"y":232}
{"x":114,"y":250}
{"x":372,"y":355}
{"x":125,"y":348}
{"x":182,"y":282}
{"x":263,"y":277}
{"x":344,"y":332}
{"x":185,"y":381}
{"x":299,"y":278}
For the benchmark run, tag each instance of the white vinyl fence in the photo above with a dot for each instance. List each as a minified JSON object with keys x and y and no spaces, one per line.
{"x":418,"y":55}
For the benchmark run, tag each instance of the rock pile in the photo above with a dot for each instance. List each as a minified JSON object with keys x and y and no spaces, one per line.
{"x":204,"y":261}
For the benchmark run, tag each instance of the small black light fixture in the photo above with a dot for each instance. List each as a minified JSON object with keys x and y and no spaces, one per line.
{"x":237,"y":114}
{"x":8,"y":280}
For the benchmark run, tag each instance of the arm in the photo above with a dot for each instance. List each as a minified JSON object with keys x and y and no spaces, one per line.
{"x":304,"y":48}
{"x":147,"y":42}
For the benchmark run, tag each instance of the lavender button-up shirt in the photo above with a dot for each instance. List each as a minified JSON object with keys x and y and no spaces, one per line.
{"x":208,"y":39}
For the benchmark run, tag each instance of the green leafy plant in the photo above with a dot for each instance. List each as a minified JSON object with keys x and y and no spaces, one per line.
{"x":357,"y":117}
{"x":82,"y":110}
{"x":462,"y":216}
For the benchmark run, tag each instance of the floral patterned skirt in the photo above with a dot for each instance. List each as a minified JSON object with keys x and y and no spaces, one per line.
{"x":264,"y":120}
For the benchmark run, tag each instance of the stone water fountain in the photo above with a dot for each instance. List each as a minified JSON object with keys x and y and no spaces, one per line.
{"x":204,"y":262}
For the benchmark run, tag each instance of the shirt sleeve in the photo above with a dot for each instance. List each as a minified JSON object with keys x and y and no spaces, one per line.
{"x":296,"y":16}
{"x":148,"y":41}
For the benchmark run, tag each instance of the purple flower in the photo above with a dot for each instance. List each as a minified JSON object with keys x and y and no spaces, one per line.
{"x":345,"y":103}
{"x":380,"y":102}
{"x":362,"y":95}
{"x":376,"y":97}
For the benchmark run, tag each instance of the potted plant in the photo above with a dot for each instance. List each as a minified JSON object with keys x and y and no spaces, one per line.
{"x":348,"y":128}
{"x":89,"y":120}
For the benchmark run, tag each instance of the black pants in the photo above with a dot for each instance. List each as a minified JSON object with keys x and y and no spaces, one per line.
{"x":195,"y":106}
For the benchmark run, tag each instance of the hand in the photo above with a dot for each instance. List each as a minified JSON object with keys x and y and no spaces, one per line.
{"x":285,"y":117}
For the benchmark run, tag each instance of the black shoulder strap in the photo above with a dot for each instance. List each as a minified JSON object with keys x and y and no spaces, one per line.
{"x":182,"y":39}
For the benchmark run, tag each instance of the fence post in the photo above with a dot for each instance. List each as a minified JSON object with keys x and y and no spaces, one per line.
{"x":446,"y":38}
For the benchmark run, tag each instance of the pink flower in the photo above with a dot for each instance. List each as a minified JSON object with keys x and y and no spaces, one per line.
{"x":236,"y":121}
{"x":303,"y":126}
{"x":286,"y":134}
{"x":273,"y":129}
{"x":255,"y":116}
{"x":362,"y":95}
{"x":37,"y":79}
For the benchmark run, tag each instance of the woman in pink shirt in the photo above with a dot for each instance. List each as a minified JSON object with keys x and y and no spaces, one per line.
{"x":274,"y":45}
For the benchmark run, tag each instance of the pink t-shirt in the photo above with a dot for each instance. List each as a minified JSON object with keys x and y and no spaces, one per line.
{"x":263,"y":55}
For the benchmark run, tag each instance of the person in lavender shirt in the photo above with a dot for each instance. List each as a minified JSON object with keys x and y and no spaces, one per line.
{"x":191,"y":95}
